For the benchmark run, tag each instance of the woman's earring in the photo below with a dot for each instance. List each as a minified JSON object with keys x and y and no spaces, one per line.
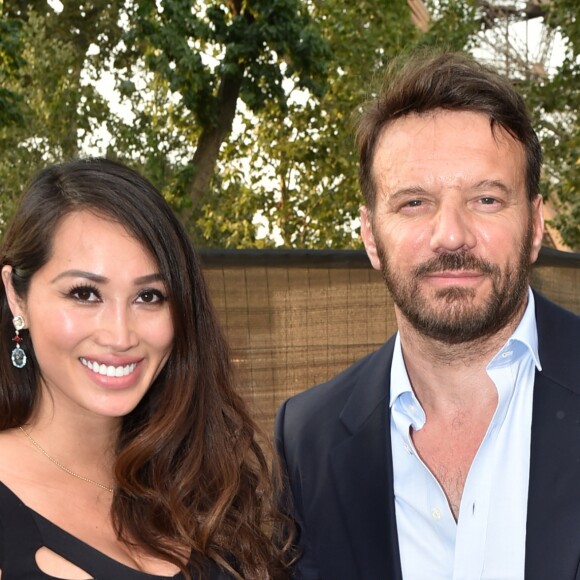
{"x":18,"y":355}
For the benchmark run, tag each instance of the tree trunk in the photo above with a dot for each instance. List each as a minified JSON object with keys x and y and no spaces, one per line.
{"x":212,"y":137}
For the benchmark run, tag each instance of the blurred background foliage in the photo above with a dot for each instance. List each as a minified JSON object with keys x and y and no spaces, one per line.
{"x":240,"y":111}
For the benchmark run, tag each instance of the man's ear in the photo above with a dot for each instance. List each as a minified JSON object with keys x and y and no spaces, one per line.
{"x":538,"y":227}
{"x":15,"y":303}
{"x":368,"y":237}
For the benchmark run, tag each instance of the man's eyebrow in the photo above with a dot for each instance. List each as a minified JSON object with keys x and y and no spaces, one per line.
{"x":98,"y":279}
{"x":484,"y":184}
{"x":407,"y":191}
{"x":492,"y":184}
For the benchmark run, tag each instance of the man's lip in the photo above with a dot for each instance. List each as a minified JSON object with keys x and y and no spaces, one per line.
{"x":455,"y":274}
{"x":453,"y":278}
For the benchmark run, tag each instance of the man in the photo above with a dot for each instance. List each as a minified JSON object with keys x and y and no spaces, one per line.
{"x":453,"y":452}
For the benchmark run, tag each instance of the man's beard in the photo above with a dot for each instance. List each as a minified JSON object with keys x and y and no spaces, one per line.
{"x":450,"y":315}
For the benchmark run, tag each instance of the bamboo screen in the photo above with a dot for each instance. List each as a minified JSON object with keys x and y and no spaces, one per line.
{"x":296,"y":318}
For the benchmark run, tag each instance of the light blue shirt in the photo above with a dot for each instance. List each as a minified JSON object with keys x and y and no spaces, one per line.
{"x":488,"y":540}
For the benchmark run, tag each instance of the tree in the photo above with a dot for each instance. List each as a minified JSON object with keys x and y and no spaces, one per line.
{"x":185,"y":68}
{"x":552,"y":95}
{"x":303,"y":174}
{"x":557,"y":104}
{"x":213,"y":55}
{"x":56,"y":109}
{"x":241,"y":110}
{"x":10,"y":62}
{"x":302,"y":156}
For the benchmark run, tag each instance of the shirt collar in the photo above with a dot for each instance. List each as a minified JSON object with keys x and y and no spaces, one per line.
{"x":399,"y":379}
{"x":523,"y":340}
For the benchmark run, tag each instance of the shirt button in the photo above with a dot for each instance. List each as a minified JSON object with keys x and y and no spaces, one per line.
{"x":408,"y":449}
{"x":412,"y":408}
{"x":436,"y":513}
{"x":507,"y":354}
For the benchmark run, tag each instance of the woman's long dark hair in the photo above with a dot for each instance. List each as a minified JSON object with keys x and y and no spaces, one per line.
{"x":189,"y":471}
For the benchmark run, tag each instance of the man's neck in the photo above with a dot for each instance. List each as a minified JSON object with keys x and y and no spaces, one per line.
{"x":451,"y":376}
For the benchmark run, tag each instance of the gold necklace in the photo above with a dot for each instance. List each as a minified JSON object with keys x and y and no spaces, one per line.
{"x":61,"y":466}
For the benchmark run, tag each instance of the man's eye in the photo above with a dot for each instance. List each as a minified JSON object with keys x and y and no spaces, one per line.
{"x":150,"y":297}
{"x":85,"y":294}
{"x":415,"y":203}
{"x":488,"y":200}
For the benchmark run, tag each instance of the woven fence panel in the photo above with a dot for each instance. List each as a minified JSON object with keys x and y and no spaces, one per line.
{"x":291,"y":327}
{"x":562,"y":285}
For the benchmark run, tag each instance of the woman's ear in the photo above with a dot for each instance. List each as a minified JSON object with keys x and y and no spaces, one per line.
{"x":15,"y":303}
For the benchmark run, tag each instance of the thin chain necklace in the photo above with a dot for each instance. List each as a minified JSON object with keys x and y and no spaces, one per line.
{"x":61,"y":466}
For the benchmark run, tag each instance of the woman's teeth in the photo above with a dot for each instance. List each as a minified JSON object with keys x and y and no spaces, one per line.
{"x":109,"y":370}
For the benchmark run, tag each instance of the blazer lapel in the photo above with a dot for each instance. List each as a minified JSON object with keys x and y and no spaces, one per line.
{"x":553,"y":525}
{"x":362,"y":469}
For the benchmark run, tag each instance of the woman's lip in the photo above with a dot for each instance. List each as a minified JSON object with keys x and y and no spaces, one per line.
{"x":109,"y":359}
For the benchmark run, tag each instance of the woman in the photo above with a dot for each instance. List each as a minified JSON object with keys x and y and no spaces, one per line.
{"x":124,"y":450}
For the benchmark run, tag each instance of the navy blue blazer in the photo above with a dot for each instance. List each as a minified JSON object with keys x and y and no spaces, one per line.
{"x":335,"y":446}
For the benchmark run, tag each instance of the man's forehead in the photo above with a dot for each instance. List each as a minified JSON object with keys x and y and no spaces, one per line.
{"x":445,"y":134}
{"x":456,"y":148}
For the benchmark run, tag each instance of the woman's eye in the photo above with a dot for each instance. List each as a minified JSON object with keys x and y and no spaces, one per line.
{"x":85,"y":294}
{"x":150,"y":297}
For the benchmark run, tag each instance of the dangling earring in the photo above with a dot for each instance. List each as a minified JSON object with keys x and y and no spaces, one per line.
{"x":18,"y":355}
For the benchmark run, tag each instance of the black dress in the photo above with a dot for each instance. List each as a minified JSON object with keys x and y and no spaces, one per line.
{"x":23,"y":532}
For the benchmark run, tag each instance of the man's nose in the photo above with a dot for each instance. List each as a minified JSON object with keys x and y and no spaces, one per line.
{"x":452,"y":229}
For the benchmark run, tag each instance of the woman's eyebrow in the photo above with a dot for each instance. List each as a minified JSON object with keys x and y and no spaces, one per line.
{"x":149,"y":278}
{"x":98,"y":279}
{"x":81,"y":274}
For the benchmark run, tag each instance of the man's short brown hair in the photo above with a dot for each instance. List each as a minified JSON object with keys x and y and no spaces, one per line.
{"x":424,"y":82}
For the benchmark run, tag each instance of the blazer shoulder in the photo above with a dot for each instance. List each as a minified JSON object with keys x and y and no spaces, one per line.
{"x":327,"y":400}
{"x":558,"y":342}
{"x":546,"y":308}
